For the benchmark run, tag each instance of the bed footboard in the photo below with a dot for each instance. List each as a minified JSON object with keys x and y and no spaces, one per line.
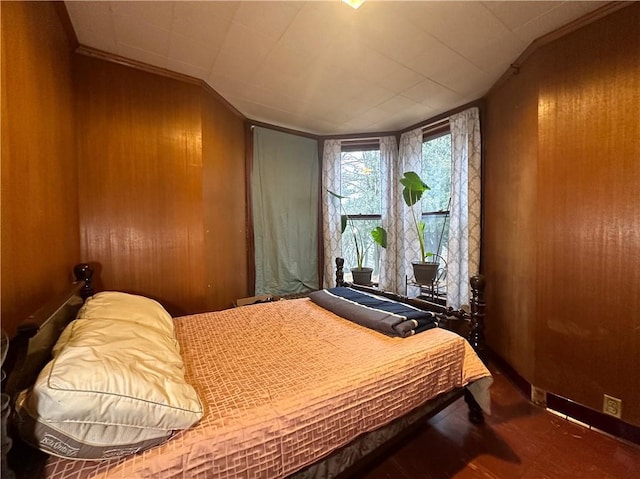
{"x":474,"y":318}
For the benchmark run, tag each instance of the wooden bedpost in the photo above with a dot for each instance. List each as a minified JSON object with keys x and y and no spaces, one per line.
{"x":476,"y":334}
{"x":476,"y":416}
{"x":83,"y":272}
{"x":477,"y":341}
{"x":339,"y":271}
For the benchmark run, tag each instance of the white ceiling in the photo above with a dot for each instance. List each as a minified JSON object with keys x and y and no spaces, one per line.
{"x":321,"y":66}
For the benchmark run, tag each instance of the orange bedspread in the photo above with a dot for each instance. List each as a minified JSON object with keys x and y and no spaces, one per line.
{"x":286,"y":383}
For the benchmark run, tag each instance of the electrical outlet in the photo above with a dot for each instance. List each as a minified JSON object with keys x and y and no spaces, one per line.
{"x":538,"y":396}
{"x":612,"y":406}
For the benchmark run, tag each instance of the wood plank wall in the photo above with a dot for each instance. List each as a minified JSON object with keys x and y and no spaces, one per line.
{"x":224,"y":195}
{"x":511,"y":151}
{"x":161,"y":208}
{"x":112,"y":165}
{"x":563,"y":215}
{"x":40,"y":242}
{"x":149,"y":202}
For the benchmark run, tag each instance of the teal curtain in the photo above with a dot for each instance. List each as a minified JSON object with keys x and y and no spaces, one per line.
{"x":284,"y":187}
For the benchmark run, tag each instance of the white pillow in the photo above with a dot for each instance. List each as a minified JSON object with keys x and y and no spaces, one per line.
{"x":127,"y":307}
{"x":114,"y":387}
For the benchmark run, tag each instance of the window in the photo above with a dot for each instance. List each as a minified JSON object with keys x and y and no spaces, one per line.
{"x":436,"y":172}
{"x":361,"y":187}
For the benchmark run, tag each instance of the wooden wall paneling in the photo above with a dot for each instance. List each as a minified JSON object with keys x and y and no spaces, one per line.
{"x":562,"y":215}
{"x":509,"y":218}
{"x":321,"y":278}
{"x":225,"y":204}
{"x":588,"y":334}
{"x":140,"y":163}
{"x":40,"y":232}
{"x":251,"y":244}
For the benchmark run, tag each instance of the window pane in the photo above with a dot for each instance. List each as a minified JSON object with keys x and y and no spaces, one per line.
{"x":436,"y":172}
{"x":436,"y":169}
{"x":372,"y":250}
{"x":436,"y":234}
{"x":361,"y":182}
{"x":361,"y":187}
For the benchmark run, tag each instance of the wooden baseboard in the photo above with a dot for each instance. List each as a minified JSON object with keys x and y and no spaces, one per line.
{"x":567,"y":407}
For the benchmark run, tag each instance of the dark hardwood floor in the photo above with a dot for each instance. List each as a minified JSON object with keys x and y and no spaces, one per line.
{"x":518,"y":440}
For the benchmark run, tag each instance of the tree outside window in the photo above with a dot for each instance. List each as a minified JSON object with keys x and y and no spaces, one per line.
{"x":436,"y":172}
{"x":361,"y":187}
{"x":362,"y":191}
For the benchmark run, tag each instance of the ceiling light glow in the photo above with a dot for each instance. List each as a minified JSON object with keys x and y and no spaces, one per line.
{"x":353,"y":3}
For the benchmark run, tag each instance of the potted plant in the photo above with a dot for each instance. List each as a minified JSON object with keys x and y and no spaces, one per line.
{"x":361,"y":274}
{"x":424,"y":272}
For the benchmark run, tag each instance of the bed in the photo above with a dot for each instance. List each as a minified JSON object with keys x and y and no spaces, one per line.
{"x":284,"y":392}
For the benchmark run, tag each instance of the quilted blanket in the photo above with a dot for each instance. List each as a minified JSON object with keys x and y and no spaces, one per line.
{"x":375,"y":312}
{"x":286,"y":383}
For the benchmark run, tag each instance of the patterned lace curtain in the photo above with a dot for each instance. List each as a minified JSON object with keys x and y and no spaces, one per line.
{"x":464,"y":222}
{"x":331,"y":225}
{"x":388,"y":258}
{"x":403,"y":246}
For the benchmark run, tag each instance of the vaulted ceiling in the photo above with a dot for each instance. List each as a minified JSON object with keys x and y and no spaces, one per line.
{"x":321,"y":66}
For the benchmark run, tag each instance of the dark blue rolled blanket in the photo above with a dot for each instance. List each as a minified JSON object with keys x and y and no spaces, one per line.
{"x":375,"y":312}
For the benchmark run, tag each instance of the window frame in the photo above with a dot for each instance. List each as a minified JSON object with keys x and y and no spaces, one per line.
{"x":358,"y":145}
{"x":433,"y":132}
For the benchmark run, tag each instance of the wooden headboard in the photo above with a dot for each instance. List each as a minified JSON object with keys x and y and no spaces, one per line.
{"x":31,"y":348}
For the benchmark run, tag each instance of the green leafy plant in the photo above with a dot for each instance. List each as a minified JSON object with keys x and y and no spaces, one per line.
{"x":378,"y":234}
{"x":412,"y":193}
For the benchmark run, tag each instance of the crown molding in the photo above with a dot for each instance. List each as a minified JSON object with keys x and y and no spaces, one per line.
{"x":570,"y":27}
{"x":145,"y":67}
{"x":512,"y":70}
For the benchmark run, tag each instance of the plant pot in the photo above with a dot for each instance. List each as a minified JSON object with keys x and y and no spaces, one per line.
{"x":362,"y":275}
{"x":425,"y":273}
